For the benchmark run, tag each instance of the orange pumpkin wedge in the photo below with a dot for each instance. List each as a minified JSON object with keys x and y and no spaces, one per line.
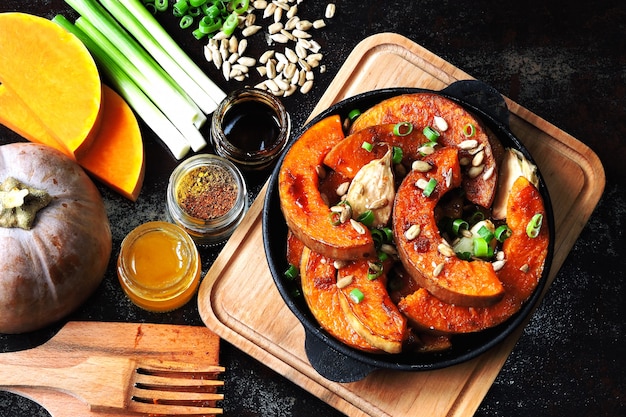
{"x":525,"y":258}
{"x":448,"y":278}
{"x":349,"y":155}
{"x":116,"y":157}
{"x":306,"y":213}
{"x":51,"y":83}
{"x":376,"y":318}
{"x":319,"y":288}
{"x":462,"y":130}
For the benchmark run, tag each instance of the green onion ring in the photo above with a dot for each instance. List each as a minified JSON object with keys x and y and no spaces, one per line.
{"x":458,"y":225}
{"x":354,"y":113}
{"x":367,"y":218}
{"x":431,"y":134}
{"x":367,"y":146}
{"x":292,"y":272}
{"x":430,"y":187}
{"x":161,"y":5}
{"x":502,"y":233}
{"x":180,"y":8}
{"x":397,"y":155}
{"x":402,"y":128}
{"x":239,"y":6}
{"x":356,"y":295}
{"x":481,"y":247}
{"x":534,"y":226}
{"x":469,"y":130}
{"x":185,"y":21}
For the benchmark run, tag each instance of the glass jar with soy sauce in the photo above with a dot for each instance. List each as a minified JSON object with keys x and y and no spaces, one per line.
{"x":251,"y":128}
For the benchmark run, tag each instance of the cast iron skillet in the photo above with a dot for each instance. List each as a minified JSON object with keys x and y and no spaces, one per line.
{"x":338,"y":362}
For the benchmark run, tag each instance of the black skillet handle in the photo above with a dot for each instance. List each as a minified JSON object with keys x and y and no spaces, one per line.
{"x":332,"y":364}
{"x":481,"y":96}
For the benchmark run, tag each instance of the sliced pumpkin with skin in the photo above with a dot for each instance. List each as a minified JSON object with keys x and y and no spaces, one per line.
{"x":306,"y":213}
{"x":349,"y":155}
{"x":51,"y":81}
{"x":319,"y":288}
{"x":420,"y":109}
{"x":376,"y":318}
{"x":450,"y":279}
{"x":116,"y":157}
{"x":525,"y":258}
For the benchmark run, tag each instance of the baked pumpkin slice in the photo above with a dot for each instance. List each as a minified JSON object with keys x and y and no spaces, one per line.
{"x":424,"y":252}
{"x":525,"y":254}
{"x":319,"y":287}
{"x":306,"y":212}
{"x":349,"y":155}
{"x":369,"y":309}
{"x":455,"y":126}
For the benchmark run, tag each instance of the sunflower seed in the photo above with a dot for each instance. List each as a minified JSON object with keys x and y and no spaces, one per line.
{"x":343,"y":282}
{"x":446,"y":250}
{"x":498,"y":265}
{"x":488,"y":173}
{"x":412,"y":232}
{"x":468,"y":144}
{"x":478,"y":158}
{"x":301,"y":34}
{"x":357,"y":226}
{"x":377,"y":204}
{"x":306,"y":87}
{"x":274,"y":28}
{"x":319,"y":23}
{"x":304,"y":25}
{"x":247,"y":61}
{"x":421,"y":166}
{"x":330,"y":11}
{"x":474,"y":172}
{"x":441,"y":123}
{"x":438,"y":269}
{"x":250,"y":30}
{"x":343,"y":188}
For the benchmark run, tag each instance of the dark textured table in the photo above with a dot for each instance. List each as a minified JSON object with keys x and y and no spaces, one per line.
{"x":563,"y":60}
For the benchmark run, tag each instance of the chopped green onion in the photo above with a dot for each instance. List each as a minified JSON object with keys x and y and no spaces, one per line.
{"x":534,"y":225}
{"x":431,"y":134}
{"x":397,"y":155}
{"x":481,"y":247}
{"x":230,"y":24}
{"x":430,"y":187}
{"x":374,"y":270}
{"x":356,"y":295}
{"x":196,"y":3}
{"x":382,"y":256}
{"x":292,"y":272}
{"x":185,"y":21}
{"x":367,"y":146}
{"x":135,"y":97}
{"x":152,"y":36}
{"x":239,"y":6}
{"x":367,"y":218}
{"x":180,"y":8}
{"x":502,"y":233}
{"x":458,"y":225}
{"x":465,"y":256}
{"x":160,"y":5}
{"x":485,"y":233}
{"x":354,"y":113}
{"x":402,"y":128}
{"x":469,"y":130}
{"x":209,"y":24}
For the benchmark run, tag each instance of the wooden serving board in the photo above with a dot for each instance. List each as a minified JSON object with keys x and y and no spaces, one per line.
{"x":76,"y":341}
{"x":238,"y":300}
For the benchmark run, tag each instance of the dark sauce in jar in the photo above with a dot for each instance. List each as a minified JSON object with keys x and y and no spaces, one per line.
{"x":251,"y":126}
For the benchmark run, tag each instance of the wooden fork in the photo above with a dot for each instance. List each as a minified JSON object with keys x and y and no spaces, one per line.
{"x":115,"y":383}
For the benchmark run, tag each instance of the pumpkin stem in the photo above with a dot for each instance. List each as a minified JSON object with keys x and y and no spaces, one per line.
{"x":20,"y":203}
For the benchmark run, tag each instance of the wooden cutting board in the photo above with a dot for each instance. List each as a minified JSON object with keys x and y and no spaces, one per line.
{"x":77,"y":340}
{"x":238,"y":299}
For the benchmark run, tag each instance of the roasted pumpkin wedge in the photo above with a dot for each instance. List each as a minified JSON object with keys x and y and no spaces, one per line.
{"x":424,"y":253}
{"x":455,"y":126}
{"x":319,"y":287}
{"x":524,"y":262}
{"x":349,"y":155}
{"x":307,"y":215}
{"x":369,"y":309}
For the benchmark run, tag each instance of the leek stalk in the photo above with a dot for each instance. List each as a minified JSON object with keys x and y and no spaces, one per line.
{"x":161,"y":93}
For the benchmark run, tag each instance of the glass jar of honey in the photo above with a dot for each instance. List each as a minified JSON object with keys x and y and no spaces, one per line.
{"x":159,"y":266}
{"x":250,"y":127}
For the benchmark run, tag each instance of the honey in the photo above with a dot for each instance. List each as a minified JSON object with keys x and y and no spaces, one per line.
{"x":159,"y":266}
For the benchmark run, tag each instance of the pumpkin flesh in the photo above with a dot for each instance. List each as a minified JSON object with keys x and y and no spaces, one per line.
{"x":305,"y":211}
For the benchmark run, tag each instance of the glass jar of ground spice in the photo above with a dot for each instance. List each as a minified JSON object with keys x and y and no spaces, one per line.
{"x":207,"y":196}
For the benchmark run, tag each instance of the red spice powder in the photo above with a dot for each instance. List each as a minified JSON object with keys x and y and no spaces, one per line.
{"x":207,"y":192}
